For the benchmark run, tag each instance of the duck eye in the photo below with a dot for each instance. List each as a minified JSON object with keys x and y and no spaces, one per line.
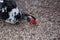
{"x":9,"y":19}
{"x":15,"y":13}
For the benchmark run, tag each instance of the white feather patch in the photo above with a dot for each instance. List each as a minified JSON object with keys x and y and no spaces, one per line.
{"x":13,"y":20}
{"x":1,"y":1}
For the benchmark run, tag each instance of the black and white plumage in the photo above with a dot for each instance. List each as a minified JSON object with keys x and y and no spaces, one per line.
{"x":10,"y":13}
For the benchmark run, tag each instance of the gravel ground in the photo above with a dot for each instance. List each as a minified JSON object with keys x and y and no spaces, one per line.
{"x":47,"y":13}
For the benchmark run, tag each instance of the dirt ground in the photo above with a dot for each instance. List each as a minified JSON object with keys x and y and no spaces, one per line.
{"x":47,"y":13}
